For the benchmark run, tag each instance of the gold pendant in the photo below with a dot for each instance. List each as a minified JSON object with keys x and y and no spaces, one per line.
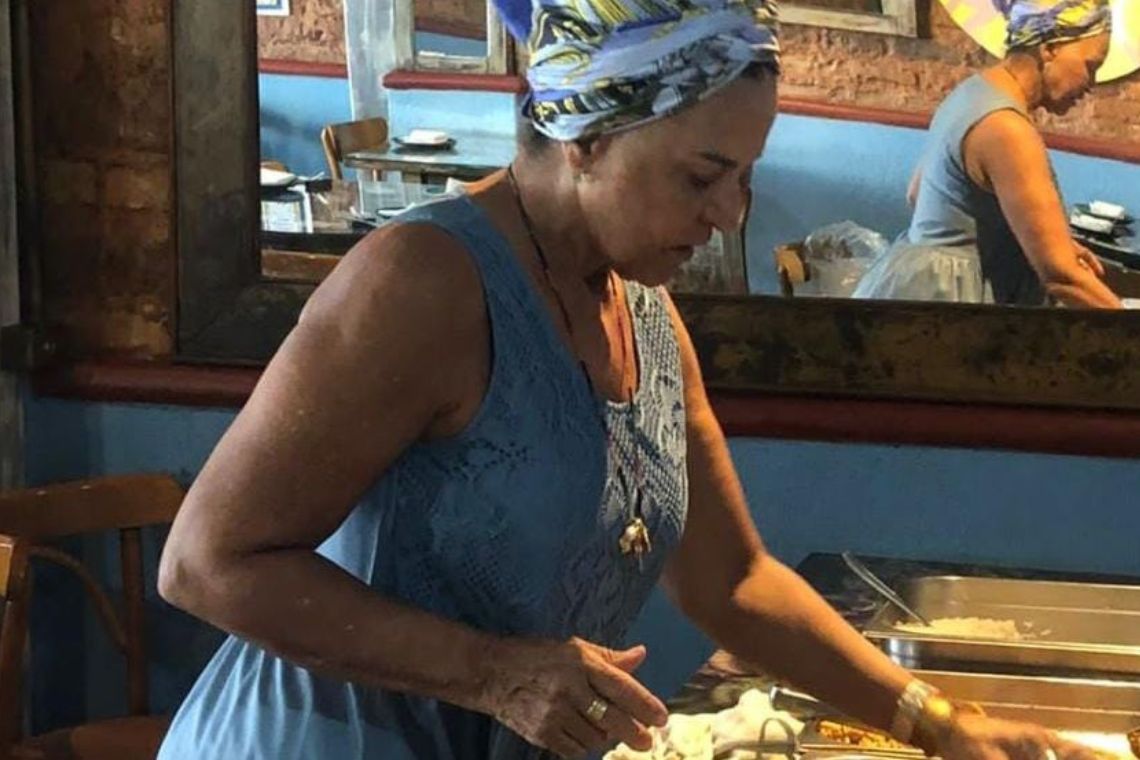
{"x":635,"y":539}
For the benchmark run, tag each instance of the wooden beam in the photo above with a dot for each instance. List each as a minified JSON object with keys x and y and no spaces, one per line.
{"x":11,"y":422}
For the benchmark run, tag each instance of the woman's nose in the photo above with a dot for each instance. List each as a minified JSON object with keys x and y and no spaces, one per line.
{"x":726,"y":209}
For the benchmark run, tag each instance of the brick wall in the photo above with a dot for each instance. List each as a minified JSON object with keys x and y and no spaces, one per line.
{"x":913,"y":75}
{"x":102,"y":121}
{"x":312,"y":32}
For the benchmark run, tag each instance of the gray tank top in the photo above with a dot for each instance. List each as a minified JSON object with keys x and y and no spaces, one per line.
{"x":952,"y":210}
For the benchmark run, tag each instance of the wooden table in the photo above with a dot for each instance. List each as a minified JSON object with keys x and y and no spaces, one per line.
{"x":473,"y":156}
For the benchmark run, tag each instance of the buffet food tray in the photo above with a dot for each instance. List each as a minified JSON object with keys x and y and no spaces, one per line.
{"x":1063,"y":704}
{"x":1064,"y":628}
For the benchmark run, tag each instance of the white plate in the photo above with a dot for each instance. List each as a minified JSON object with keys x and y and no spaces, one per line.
{"x":1091,"y":223}
{"x":428,"y":138}
{"x":275,"y":178}
{"x":1108,"y":210}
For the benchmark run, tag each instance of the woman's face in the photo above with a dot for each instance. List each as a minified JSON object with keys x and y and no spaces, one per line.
{"x":1069,"y":71}
{"x":653,"y":193}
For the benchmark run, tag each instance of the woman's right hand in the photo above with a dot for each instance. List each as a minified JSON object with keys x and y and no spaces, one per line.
{"x":543,"y":691}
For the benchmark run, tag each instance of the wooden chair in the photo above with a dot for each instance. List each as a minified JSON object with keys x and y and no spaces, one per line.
{"x":339,"y":140}
{"x":791,"y":268}
{"x":29,"y":520}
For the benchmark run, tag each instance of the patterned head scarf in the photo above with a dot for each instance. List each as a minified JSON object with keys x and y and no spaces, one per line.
{"x":598,"y":66}
{"x":1036,"y":22}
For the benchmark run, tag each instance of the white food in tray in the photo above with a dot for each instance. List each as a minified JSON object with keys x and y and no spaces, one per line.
{"x":967,"y":627}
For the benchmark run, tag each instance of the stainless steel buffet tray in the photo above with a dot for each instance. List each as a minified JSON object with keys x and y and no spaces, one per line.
{"x":1083,"y":705}
{"x":1070,"y":628}
{"x":1064,"y":704}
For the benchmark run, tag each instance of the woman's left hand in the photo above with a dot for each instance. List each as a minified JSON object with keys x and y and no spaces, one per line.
{"x":976,"y":737}
{"x":1089,"y":260}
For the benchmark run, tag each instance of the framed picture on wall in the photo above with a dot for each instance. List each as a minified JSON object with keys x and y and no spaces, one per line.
{"x":272,"y":7}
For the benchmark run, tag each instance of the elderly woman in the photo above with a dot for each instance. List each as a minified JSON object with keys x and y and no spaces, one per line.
{"x":989,"y":224}
{"x":487,"y":439}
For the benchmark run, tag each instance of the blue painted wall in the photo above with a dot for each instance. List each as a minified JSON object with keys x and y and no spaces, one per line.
{"x":993,"y":507}
{"x":294,"y":109}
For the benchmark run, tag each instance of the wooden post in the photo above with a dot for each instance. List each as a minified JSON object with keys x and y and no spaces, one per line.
{"x":130,"y":554}
{"x":11,"y":422}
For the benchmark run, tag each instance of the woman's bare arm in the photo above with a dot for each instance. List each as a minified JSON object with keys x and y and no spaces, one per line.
{"x":722,"y":577}
{"x":1005,"y":154}
{"x":351,"y":387}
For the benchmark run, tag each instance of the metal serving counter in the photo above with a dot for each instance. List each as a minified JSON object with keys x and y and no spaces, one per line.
{"x":1069,"y":624}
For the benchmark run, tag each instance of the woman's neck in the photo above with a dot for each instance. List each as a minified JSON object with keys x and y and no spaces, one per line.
{"x":1020,"y":78}
{"x":550,"y":206}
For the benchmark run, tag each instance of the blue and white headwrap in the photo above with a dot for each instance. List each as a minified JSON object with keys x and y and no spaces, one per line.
{"x":1036,"y":22}
{"x":597,"y":66}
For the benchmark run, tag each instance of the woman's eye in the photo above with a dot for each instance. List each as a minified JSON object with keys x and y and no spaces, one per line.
{"x":700,"y":183}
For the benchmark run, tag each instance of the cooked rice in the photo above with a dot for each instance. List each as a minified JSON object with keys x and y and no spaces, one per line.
{"x":967,"y":627}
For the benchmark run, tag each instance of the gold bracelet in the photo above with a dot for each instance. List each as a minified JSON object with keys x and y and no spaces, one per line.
{"x":910,"y":707}
{"x":936,"y":716}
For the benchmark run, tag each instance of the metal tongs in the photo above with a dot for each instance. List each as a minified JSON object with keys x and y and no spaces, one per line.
{"x":877,"y":583}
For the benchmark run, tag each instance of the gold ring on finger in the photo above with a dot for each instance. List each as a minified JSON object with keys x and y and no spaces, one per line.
{"x":596,"y":712}
{"x":1049,"y":754}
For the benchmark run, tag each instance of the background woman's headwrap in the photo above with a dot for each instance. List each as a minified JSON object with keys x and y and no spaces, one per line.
{"x":1036,"y":22}
{"x":597,"y":66}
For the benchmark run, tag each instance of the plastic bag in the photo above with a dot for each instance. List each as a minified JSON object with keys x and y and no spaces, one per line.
{"x":838,"y":255}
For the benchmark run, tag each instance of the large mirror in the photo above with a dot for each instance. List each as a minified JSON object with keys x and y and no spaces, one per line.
{"x":237,"y":302}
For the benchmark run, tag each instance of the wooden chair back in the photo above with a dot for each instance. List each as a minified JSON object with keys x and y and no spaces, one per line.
{"x":791,"y":267}
{"x":338,"y":140}
{"x":30,"y":520}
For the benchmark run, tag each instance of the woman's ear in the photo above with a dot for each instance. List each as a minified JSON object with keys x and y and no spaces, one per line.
{"x":583,"y":155}
{"x":577,"y":157}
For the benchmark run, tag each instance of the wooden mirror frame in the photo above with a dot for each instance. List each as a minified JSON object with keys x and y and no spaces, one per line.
{"x":499,"y":59}
{"x":838,"y":348}
{"x":902,"y":18}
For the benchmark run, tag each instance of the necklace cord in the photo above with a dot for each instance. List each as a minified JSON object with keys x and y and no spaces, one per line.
{"x":544,"y":263}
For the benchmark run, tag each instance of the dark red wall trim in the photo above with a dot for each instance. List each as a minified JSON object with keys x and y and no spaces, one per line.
{"x":1030,"y":429}
{"x":1088,"y":146}
{"x":450,"y":80}
{"x":303,"y":68}
{"x":178,"y":384}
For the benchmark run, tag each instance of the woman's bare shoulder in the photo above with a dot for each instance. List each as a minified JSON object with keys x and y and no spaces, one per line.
{"x":417,"y":269}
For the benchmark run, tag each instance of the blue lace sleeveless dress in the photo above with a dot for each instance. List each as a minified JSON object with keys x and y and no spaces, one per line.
{"x":511,"y":527}
{"x":959,"y":246}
